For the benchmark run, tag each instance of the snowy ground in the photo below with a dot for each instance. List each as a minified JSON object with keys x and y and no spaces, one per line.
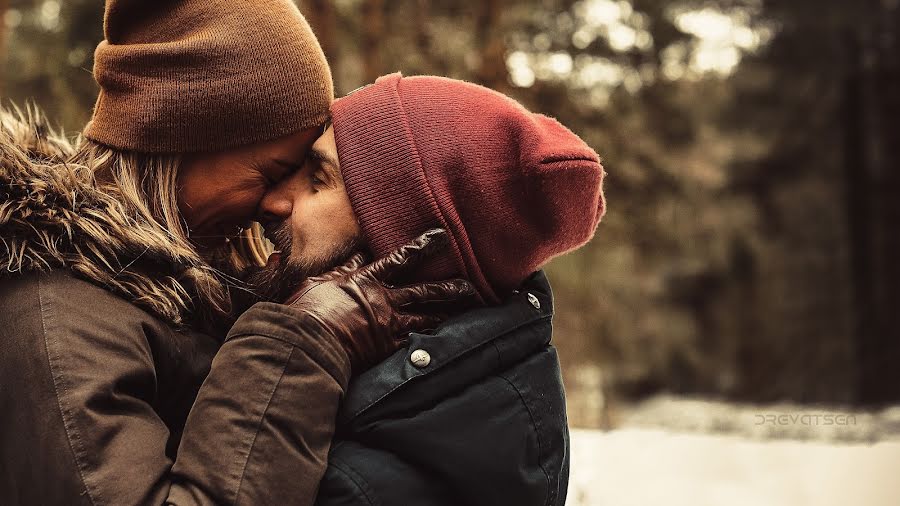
{"x":641,"y":467}
{"x":713,"y":454}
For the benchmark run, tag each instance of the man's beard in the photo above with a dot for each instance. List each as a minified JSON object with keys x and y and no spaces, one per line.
{"x":275,"y":283}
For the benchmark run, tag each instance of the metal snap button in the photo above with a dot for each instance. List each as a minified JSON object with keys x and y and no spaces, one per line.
{"x":420,"y":358}
{"x":534,"y":301}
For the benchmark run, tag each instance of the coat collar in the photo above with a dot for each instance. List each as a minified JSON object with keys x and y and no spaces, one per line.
{"x":53,"y":216}
{"x":451,"y":344}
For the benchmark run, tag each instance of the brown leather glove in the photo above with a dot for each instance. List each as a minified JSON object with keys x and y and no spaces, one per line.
{"x":353,"y":303}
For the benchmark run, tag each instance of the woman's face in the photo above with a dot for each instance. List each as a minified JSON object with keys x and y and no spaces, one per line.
{"x":219,"y":192}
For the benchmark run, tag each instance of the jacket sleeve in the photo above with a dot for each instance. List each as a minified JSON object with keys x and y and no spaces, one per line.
{"x":87,"y":431}
{"x":261,"y":427}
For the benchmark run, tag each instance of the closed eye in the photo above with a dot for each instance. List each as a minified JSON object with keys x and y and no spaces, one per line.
{"x":326,"y":171}
{"x":287,"y":168}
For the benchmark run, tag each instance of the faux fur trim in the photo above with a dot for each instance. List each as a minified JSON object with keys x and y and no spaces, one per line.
{"x":53,"y":216}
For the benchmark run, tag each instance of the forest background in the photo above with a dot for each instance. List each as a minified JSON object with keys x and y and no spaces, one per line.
{"x":751,"y":148}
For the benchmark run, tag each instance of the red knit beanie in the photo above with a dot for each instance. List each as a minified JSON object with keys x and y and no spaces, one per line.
{"x":512,"y":188}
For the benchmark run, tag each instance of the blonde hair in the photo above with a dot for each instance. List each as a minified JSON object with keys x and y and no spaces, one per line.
{"x":146,"y":187}
{"x":111,"y":217}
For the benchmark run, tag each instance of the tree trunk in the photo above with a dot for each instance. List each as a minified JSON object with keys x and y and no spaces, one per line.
{"x":492,"y":72}
{"x":856,"y":177}
{"x":323,"y":19}
{"x":423,"y":28}
{"x":372,"y":39}
{"x":873,"y":142}
{"x":4,"y":5}
{"x":884,"y":383}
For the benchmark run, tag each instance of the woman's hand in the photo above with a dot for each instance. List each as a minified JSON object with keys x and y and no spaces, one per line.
{"x":368,"y":317}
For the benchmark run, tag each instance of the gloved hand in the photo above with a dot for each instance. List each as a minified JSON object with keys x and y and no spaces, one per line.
{"x":355,"y":305}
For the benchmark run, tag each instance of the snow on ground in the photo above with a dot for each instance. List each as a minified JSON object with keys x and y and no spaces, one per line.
{"x":649,"y":467}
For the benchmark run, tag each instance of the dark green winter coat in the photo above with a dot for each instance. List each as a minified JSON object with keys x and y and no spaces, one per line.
{"x":483,"y":423}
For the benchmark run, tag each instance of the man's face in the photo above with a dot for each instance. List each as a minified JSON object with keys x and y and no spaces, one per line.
{"x":308,"y":218}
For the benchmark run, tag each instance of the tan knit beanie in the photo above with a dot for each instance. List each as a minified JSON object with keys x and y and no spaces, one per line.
{"x":182,"y":76}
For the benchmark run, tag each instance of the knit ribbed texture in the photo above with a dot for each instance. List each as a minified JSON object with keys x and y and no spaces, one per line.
{"x":389,"y":171}
{"x":204,"y":75}
{"x":514,"y":189}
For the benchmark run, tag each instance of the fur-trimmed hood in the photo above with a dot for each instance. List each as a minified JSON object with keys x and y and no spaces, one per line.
{"x":54,"y":216}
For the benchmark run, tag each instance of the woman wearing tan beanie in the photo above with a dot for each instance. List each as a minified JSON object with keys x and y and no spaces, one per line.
{"x":115,"y":254}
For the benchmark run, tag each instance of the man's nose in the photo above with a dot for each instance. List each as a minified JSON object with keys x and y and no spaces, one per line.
{"x":275,"y":205}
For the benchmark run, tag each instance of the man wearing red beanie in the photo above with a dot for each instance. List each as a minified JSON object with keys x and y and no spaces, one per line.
{"x":474,"y":412}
